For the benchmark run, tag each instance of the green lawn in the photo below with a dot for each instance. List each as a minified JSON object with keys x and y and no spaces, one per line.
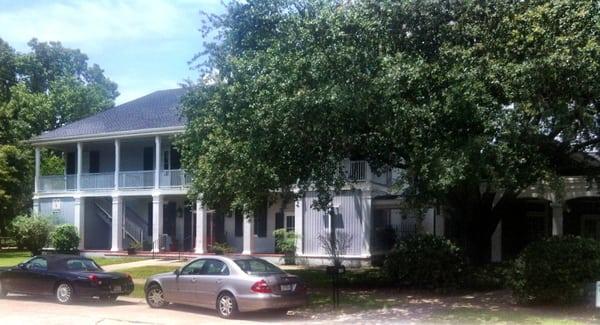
{"x":143,"y":272}
{"x":12,"y":258}
{"x":116,"y":260}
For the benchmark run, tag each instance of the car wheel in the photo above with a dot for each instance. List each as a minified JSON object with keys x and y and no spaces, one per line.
{"x":64,"y":293}
{"x":227,"y":306}
{"x":3,"y":292}
{"x":155,"y":296}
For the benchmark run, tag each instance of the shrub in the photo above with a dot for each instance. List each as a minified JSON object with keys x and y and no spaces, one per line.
{"x":425,"y":261}
{"x":285,"y":242}
{"x":222,"y":248}
{"x":555,"y":270}
{"x":31,"y":232}
{"x":487,"y":277}
{"x":65,"y":238}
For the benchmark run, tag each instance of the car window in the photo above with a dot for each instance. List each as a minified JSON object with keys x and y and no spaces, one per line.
{"x":37,"y":264}
{"x":251,"y":266}
{"x":82,"y":265}
{"x":194,"y":268}
{"x":215,"y":267}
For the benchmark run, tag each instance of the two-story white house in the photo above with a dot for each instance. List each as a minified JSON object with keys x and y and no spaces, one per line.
{"x":123,"y":183}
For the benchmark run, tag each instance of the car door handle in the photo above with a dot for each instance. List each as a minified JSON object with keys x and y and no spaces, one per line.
{"x":193,"y":280}
{"x":219,"y":281}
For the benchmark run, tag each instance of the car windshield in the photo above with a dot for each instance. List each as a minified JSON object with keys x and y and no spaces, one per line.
{"x":256,"y":266}
{"x":82,"y":265}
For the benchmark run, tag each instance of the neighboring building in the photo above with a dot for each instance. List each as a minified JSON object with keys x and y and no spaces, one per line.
{"x":123,"y":183}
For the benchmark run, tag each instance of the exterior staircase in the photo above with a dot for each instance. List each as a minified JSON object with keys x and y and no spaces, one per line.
{"x":131,"y":229}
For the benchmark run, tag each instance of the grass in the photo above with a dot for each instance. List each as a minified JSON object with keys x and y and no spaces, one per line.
{"x":116,"y":260}
{"x":464,"y":315}
{"x":12,"y":258}
{"x":143,"y":272}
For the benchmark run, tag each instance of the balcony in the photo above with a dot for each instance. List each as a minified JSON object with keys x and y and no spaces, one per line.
{"x":360,"y":171}
{"x":128,"y":180}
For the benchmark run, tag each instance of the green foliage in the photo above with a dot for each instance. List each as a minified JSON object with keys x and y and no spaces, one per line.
{"x":455,"y":92}
{"x":39,"y":91}
{"x":492,"y":276}
{"x":285,"y":241}
{"x":31,"y":232}
{"x":425,"y":261}
{"x":221,"y":248}
{"x":556,"y":270}
{"x":65,"y":238}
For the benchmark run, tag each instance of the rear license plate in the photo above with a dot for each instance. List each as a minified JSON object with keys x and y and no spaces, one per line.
{"x":116,"y":289}
{"x":286,"y":287}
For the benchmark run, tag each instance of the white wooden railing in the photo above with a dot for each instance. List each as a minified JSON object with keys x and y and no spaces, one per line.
{"x":98,"y":181}
{"x":58,"y":183}
{"x":136,"y":179}
{"x":174,"y":178}
{"x":360,"y":171}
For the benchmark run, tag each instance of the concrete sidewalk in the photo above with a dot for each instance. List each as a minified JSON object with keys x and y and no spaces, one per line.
{"x":156,"y":262}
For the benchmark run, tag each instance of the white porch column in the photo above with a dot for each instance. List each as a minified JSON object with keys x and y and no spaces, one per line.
{"x":157,"y":162}
{"x":37,"y":170}
{"x":367,"y":219}
{"x":248,"y":238}
{"x":157,"y":221}
{"x":79,"y":164}
{"x":78,"y":219}
{"x":496,"y":254}
{"x":36,"y":206}
{"x":298,"y":223}
{"x":117,"y":162}
{"x":557,"y":219}
{"x":117,"y":224}
{"x":200,"y":228}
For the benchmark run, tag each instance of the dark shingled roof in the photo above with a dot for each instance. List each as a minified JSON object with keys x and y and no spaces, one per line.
{"x":156,"y":110}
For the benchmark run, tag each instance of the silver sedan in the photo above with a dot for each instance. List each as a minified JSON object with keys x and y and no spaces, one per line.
{"x":230,"y":284}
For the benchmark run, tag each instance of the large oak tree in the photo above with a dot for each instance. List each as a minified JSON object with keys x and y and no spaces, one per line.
{"x":475,"y":100}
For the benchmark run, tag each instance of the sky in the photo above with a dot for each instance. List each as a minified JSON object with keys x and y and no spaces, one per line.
{"x":142,"y":45}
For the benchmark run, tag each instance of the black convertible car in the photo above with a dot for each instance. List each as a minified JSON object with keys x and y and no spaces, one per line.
{"x":65,"y":277}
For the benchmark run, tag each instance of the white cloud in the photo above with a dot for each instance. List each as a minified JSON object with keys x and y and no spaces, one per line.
{"x":88,"y":22}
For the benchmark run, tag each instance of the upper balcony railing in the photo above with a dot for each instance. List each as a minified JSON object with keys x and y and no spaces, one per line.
{"x":128,"y":180}
{"x":360,"y":171}
{"x":136,"y":179}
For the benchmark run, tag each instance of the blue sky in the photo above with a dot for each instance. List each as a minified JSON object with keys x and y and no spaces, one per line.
{"x":143,"y":45}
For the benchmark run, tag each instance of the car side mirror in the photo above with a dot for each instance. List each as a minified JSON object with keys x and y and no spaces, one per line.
{"x":21,"y":266}
{"x":176,"y":272}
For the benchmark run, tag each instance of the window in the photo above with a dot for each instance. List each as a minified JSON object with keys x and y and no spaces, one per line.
{"x":175,"y":158}
{"x":71,"y":163}
{"x":37,"y":264}
{"x":194,"y":268}
{"x":260,"y":221}
{"x":239,"y":223}
{"x":215,"y":267}
{"x":253,"y":266}
{"x":94,"y":162}
{"x":148,"y":158}
{"x":382,"y":218}
{"x":339,"y":220}
{"x":279,"y":220}
{"x":82,"y":265}
{"x":290,"y":223}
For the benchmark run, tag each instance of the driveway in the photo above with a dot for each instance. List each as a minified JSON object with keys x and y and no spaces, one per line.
{"x":21,"y":310}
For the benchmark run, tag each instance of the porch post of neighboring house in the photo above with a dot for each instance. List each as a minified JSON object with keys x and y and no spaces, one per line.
{"x":79,"y":164}
{"x":36,"y":205}
{"x":496,"y":253}
{"x":298,"y":223}
{"x":200,"y":228}
{"x":248,"y":238}
{"x":78,"y":219}
{"x":117,"y":223}
{"x":157,"y":221}
{"x":157,"y":162}
{"x":117,"y":162}
{"x":557,"y":218}
{"x":37,"y":170}
{"x":367,"y":220}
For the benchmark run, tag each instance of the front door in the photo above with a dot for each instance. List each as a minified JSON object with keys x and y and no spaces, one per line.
{"x":170,"y":223}
{"x":210,"y":282}
{"x":188,"y":283}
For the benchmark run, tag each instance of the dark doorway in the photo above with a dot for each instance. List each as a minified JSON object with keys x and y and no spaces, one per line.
{"x":94,"y":162}
{"x":169,"y":222}
{"x":188,"y":237}
{"x":148,"y":158}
